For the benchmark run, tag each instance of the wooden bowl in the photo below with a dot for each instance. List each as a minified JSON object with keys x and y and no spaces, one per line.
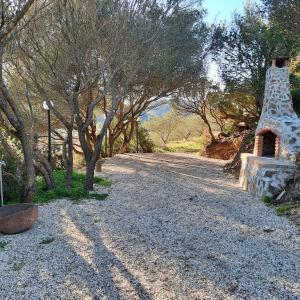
{"x":17,"y":218}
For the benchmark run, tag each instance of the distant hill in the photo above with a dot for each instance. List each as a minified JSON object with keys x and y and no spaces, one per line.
{"x":159,"y":111}
{"x":156,"y":112}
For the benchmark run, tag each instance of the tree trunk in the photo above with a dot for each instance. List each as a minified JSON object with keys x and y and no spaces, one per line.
{"x":89,"y":180}
{"x":29,"y":188}
{"x":46,"y":176}
{"x":111,"y":142}
{"x":124,"y":147}
{"x":43,"y":165}
{"x":213,"y":139}
{"x":69,"y":158}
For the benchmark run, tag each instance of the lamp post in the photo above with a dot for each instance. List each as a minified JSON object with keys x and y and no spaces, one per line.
{"x":2,"y":163}
{"x":137,"y":134}
{"x":46,"y":107}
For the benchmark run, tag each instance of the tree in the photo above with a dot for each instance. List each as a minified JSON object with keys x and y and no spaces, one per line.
{"x":198,"y":100}
{"x":74,"y":65}
{"x":189,"y":125}
{"x":163,"y":126}
{"x":170,"y":68}
{"x":286,"y":14}
{"x":249,"y":43}
{"x":15,"y":15}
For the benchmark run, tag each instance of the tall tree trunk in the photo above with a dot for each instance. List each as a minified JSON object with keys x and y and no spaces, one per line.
{"x":69,"y":158}
{"x":111,"y":142}
{"x":124,"y":147}
{"x":213,"y":139}
{"x":90,"y":171}
{"x":29,"y":188}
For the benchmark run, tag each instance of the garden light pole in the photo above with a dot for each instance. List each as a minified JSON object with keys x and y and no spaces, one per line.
{"x":46,"y":107}
{"x":137,"y":135}
{"x":2,"y":163}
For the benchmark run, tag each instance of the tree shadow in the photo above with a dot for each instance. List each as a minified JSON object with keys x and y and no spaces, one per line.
{"x":104,"y":261}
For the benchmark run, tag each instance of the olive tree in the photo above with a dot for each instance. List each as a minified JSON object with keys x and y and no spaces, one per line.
{"x":15,"y":15}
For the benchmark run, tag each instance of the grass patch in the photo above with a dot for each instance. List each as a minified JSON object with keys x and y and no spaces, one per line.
{"x":47,"y":241}
{"x":193,"y":145}
{"x":75,"y":192}
{"x":3,"y":245}
{"x":282,"y":210}
{"x":267,"y":200}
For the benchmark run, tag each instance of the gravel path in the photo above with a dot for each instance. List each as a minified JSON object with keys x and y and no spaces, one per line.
{"x":173,"y":227}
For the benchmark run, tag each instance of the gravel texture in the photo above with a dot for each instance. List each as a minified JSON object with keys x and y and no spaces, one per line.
{"x":173,"y":227}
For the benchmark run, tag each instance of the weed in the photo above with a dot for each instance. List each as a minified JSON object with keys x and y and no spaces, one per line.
{"x":3,"y":245}
{"x":98,"y":196}
{"x":267,"y":200}
{"x":282,"y":210}
{"x":47,"y":241}
{"x":17,"y":266}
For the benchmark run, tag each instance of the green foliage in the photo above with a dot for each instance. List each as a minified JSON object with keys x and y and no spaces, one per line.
{"x":193,"y":145}
{"x":47,"y":241}
{"x":75,"y":192}
{"x":3,"y":245}
{"x":163,"y":126}
{"x":296,"y":100}
{"x":172,"y":127}
{"x":11,"y":186}
{"x":249,"y":138}
{"x":282,"y":210}
{"x":249,"y":44}
{"x":146,"y":145}
{"x":267,"y":199}
{"x":286,"y":14}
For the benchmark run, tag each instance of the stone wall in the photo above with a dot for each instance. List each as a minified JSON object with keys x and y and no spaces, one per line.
{"x":265,"y":176}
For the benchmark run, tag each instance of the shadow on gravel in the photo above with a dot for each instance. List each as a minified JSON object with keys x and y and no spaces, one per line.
{"x":102,"y":282}
{"x":232,"y":246}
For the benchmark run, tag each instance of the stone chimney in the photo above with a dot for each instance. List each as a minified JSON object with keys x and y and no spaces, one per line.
{"x":278,"y":130}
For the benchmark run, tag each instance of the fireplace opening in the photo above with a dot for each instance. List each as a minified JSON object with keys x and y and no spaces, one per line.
{"x":269,"y":144}
{"x":280,"y":62}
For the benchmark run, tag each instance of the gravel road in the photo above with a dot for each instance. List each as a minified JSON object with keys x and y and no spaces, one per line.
{"x":173,"y":227}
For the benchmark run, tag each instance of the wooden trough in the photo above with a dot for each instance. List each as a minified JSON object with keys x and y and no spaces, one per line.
{"x":17,"y":218}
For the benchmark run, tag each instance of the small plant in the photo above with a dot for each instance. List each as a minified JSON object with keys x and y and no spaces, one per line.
{"x":281,"y":210}
{"x":98,"y":196}
{"x":46,"y":241}
{"x":266,"y":199}
{"x":3,"y":245}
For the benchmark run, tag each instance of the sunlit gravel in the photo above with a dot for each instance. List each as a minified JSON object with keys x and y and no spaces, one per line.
{"x":173,"y":227}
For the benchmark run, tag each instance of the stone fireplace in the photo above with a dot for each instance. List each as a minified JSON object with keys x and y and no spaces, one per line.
{"x":277,"y":137}
{"x":267,"y":143}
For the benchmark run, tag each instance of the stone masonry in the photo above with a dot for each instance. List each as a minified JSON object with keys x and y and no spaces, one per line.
{"x":279,"y":116}
{"x":268,"y":175}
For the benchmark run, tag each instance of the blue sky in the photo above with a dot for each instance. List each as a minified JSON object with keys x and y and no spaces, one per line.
{"x":222,"y":9}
